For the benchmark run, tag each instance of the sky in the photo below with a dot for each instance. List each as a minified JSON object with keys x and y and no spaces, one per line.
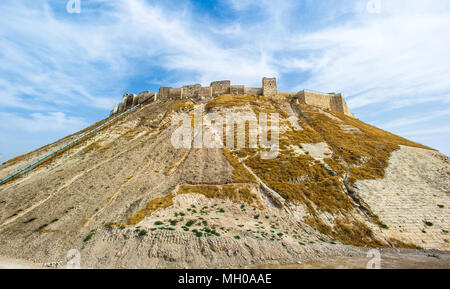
{"x":62,"y":71}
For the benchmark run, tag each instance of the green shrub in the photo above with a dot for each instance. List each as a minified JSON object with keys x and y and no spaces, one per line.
{"x":190,"y":223}
{"x":88,"y":237}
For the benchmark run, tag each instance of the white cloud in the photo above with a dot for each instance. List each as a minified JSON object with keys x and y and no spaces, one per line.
{"x":414,"y":119}
{"x":396,"y":58}
{"x":41,"y":123}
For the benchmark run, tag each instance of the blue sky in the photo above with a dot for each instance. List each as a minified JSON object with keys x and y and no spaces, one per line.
{"x":60,"y":72}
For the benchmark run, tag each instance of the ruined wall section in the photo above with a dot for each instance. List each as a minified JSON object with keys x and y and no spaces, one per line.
{"x":237,"y":89}
{"x":191,"y":91}
{"x":175,"y":93}
{"x":204,"y":92}
{"x":164,"y":93}
{"x":269,"y":87}
{"x":331,"y":101}
{"x":253,"y":91}
{"x":220,"y":87}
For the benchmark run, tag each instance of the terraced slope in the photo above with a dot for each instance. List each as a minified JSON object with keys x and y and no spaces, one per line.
{"x":125,"y":197}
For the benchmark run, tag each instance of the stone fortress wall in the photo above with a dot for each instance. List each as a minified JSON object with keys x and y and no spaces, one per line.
{"x":195,"y":92}
{"x":331,"y":101}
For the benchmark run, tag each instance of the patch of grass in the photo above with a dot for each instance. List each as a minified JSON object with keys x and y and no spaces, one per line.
{"x":95,"y":146}
{"x":319,"y":191}
{"x":167,"y":229}
{"x":89,"y":236}
{"x":29,"y":221}
{"x":240,"y":173}
{"x":182,"y":106}
{"x":428,"y":223}
{"x":347,"y":231}
{"x":197,"y":233}
{"x":190,"y":223}
{"x":42,"y":227}
{"x":237,"y":237}
{"x":234,"y":192}
{"x":152,"y":206}
{"x":375,"y":146}
{"x":158,"y":223}
{"x":142,"y":233}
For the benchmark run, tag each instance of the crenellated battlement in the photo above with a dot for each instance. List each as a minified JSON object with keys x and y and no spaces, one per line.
{"x":197,"y":92}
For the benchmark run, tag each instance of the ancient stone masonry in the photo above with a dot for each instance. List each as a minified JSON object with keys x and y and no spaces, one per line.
{"x":145,"y":96}
{"x":195,"y":92}
{"x":164,"y":93}
{"x":269,"y":87}
{"x":237,"y":90}
{"x":252,"y":90}
{"x":220,"y":87}
{"x":191,"y":91}
{"x":204,"y":92}
{"x":175,"y":93}
{"x":331,"y":101}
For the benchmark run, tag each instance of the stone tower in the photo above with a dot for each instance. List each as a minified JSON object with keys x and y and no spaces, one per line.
{"x":269,"y":87}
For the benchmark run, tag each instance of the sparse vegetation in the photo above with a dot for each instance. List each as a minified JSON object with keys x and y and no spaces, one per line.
{"x":190,"y":223}
{"x":233,"y":192}
{"x":151,"y":207}
{"x":428,"y":223}
{"x":89,"y":236}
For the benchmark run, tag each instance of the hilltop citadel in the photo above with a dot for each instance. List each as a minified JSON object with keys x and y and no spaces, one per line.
{"x":195,"y":92}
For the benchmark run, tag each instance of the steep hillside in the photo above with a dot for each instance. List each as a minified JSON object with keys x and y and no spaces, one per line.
{"x":125,"y":197}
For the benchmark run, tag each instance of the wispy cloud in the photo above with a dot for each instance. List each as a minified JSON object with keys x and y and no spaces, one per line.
{"x":41,"y":123}
{"x":414,"y":119}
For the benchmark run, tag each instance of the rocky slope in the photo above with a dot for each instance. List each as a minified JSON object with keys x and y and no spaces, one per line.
{"x":125,"y":197}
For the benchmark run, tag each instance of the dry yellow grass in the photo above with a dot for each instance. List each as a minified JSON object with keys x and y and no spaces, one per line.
{"x":367,"y":154}
{"x":230,"y":100}
{"x":233,"y":192}
{"x":92,"y":147}
{"x":182,"y":106}
{"x":347,"y":230}
{"x":240,"y":173}
{"x":152,"y":206}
